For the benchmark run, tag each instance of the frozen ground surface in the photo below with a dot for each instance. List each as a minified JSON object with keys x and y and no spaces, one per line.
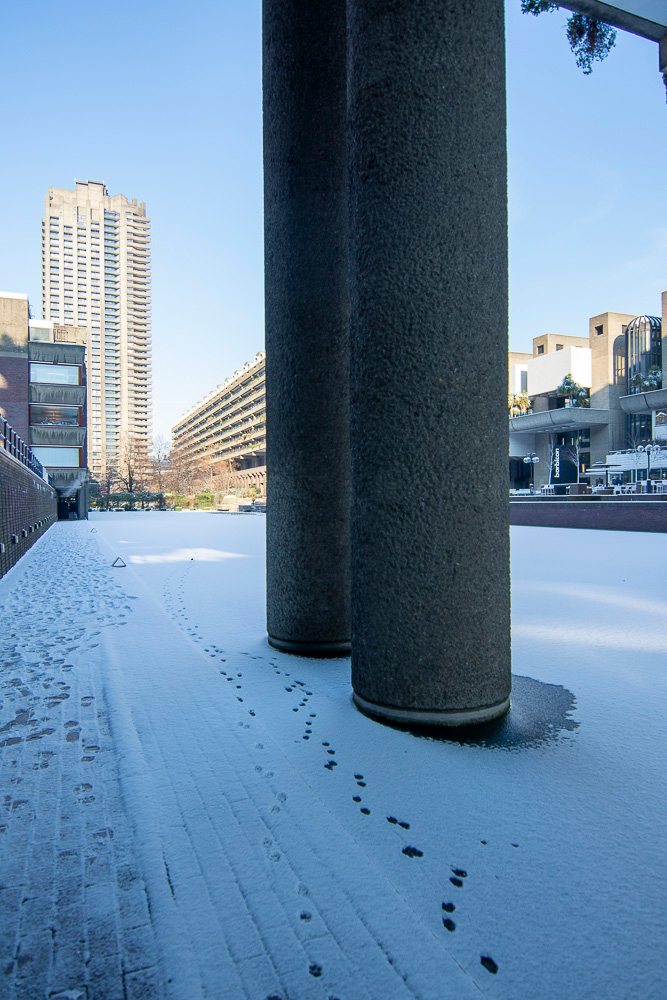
{"x":187,"y":813}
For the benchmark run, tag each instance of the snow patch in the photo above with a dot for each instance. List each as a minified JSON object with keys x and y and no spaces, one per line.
{"x":186,"y":555}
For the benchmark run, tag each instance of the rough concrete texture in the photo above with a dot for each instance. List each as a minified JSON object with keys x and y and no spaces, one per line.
{"x":307,"y":344}
{"x":428,"y":291}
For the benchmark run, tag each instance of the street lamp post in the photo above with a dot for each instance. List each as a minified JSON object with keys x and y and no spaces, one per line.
{"x":532,"y":459}
{"x":650,"y":449}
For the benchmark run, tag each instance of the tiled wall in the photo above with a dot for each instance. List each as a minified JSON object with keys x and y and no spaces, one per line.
{"x":27,"y":509}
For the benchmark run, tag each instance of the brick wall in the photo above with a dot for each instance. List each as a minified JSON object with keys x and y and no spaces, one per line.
{"x":27,"y":509}
{"x":14,"y":394}
{"x":608,"y":514}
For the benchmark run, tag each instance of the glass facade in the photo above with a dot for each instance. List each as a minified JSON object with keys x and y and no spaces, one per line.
{"x":643,"y":352}
{"x":644,"y":348}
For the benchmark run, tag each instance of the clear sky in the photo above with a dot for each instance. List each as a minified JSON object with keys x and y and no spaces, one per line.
{"x":162,"y":101}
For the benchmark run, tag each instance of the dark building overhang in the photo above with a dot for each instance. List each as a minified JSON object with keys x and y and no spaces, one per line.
{"x":58,"y":354}
{"x":66,"y":395}
{"x":55,"y":435}
{"x":567,"y":418}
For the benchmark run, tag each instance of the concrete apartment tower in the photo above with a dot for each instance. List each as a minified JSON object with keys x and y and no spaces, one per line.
{"x":96,"y":274}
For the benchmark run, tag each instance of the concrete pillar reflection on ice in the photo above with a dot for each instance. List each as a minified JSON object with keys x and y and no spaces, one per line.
{"x":307,"y":342}
{"x":428,"y":293}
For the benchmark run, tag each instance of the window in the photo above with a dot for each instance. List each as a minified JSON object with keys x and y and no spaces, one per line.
{"x":559,"y":347}
{"x":540,"y":348}
{"x":54,"y":374}
{"x":63,"y":415}
{"x":38,"y":333}
{"x":57,"y":458}
{"x":599,"y":330}
{"x":524,"y":382}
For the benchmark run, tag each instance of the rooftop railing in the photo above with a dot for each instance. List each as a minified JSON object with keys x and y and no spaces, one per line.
{"x":16,"y":446}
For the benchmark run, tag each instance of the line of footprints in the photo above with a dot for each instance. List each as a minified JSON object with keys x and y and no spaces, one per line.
{"x":458,"y":874}
{"x":456,"y":879}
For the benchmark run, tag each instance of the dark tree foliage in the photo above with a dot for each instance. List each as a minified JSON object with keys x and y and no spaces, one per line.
{"x":590,"y":40}
{"x":537,"y":6}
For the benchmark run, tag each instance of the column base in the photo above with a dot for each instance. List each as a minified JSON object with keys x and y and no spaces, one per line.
{"x":321,"y":649}
{"x":464,"y":717}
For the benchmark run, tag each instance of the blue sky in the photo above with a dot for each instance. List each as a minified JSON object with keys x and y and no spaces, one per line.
{"x":163,"y":103}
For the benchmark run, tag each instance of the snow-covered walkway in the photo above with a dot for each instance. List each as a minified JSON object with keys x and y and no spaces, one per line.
{"x":187,"y":813}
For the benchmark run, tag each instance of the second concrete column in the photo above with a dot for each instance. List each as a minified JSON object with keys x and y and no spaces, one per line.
{"x":428,"y":284}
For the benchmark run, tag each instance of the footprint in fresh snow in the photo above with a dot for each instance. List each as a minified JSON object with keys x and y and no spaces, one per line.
{"x":398,"y":822}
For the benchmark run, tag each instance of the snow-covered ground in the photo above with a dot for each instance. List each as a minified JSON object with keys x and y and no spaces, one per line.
{"x":188,"y":813}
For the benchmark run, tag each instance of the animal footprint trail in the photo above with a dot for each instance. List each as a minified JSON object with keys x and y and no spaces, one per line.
{"x":398,"y":822}
{"x":458,"y":876}
{"x":330,"y":764}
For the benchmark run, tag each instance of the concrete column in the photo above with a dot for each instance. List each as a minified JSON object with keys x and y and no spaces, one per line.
{"x":428,"y":292}
{"x":307,"y":317}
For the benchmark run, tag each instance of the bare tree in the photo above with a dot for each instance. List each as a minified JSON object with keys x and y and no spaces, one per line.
{"x":210,"y":469}
{"x":186,"y":472}
{"x":159,"y":463}
{"x":132,"y":468}
{"x":108,"y":481}
{"x":231,"y":466}
{"x":572,"y":452}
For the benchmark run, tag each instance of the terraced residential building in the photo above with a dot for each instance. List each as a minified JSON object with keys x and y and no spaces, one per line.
{"x":96,"y":261}
{"x":224,"y":435}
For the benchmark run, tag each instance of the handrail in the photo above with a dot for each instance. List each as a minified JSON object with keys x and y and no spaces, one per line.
{"x":12,"y":443}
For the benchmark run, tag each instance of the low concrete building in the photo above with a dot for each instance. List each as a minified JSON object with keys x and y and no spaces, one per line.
{"x":614,"y":416}
{"x":225,"y":433}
